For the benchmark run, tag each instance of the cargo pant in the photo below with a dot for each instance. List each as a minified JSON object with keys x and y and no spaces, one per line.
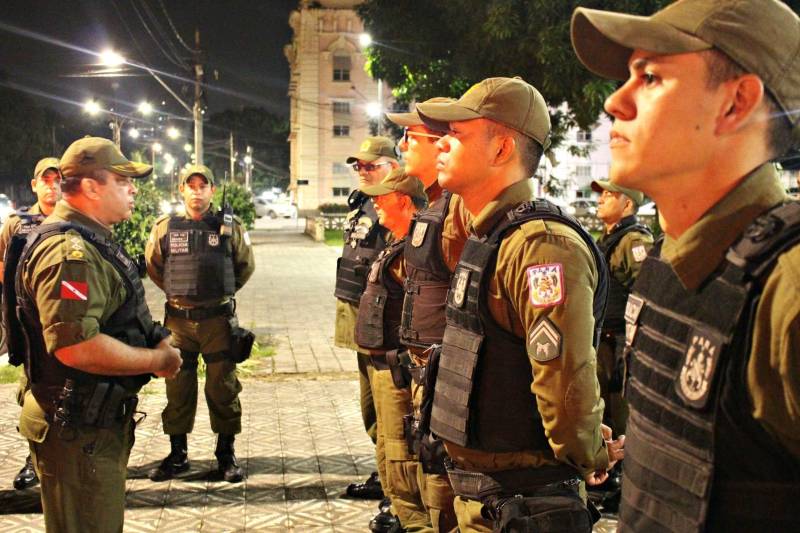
{"x":82,"y":474}
{"x":616,"y":410}
{"x":211,"y":337}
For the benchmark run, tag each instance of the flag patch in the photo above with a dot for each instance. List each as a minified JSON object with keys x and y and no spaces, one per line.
{"x":74,"y":290}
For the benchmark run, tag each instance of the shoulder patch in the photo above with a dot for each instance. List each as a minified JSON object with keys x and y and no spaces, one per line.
{"x":544,"y":341}
{"x":639,"y":252}
{"x":74,"y":247}
{"x":546,"y":284}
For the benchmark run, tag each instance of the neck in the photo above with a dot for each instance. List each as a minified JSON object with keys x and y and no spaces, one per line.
{"x":400,"y":224}
{"x":611,"y":225}
{"x":195,"y":215}
{"x":46,"y":209}
{"x":88,"y":209}
{"x":433,"y":191}
{"x":486,"y":190}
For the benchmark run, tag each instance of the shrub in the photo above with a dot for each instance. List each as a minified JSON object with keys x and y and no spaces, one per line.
{"x":332,"y":209}
{"x":240,"y":199}
{"x":134,"y":232}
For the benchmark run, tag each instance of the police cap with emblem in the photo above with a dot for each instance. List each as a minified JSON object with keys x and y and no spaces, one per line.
{"x":48,"y":163}
{"x":96,"y":153}
{"x":372,"y":148}
{"x":399,"y":181}
{"x":200,"y":170}
{"x":636,"y":197}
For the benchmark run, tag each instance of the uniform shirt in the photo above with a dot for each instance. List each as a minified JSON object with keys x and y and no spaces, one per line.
{"x":75,"y":290}
{"x":773,"y":371}
{"x":11,"y":227}
{"x":243,"y":260}
{"x":566,"y":387}
{"x":628,"y":255}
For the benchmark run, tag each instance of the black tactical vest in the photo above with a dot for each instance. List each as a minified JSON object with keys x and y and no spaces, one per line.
{"x":131,"y":323}
{"x":378,"y":323}
{"x":198,"y":261}
{"x":428,"y":278}
{"x":617,"y":292}
{"x":364,"y":238}
{"x":695,"y":458}
{"x":28,"y":221}
{"x":483,"y":398}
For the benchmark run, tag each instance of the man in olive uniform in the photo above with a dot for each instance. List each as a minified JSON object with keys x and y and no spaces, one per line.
{"x":397,"y":197}
{"x":709,"y":96}
{"x":438,"y":234}
{"x":200,"y":260}
{"x":364,"y":238}
{"x":46,"y":184}
{"x":516,"y":399}
{"x":88,"y":340}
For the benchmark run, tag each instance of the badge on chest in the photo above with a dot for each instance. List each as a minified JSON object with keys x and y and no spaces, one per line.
{"x":178,"y":242}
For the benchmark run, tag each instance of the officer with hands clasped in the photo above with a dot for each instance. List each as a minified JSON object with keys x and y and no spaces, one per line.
{"x":516,"y":400}
{"x":200,"y":260}
{"x":710,"y":95}
{"x":88,"y":340}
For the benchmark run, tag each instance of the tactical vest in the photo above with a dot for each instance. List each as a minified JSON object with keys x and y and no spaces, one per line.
{"x":483,"y":398}
{"x":617,"y":292}
{"x":695,"y":459}
{"x":364,"y":238}
{"x":131,"y":323}
{"x":428,"y":278}
{"x":198,"y":261}
{"x":28,"y":221}
{"x":378,"y":323}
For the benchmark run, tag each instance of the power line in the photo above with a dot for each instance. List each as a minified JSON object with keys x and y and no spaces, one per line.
{"x":160,"y":30}
{"x":174,"y":29}
{"x":177,"y":62}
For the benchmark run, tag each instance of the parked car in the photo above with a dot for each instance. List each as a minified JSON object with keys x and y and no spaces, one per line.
{"x":648,"y":209}
{"x":6,"y":207}
{"x":275,"y":208}
{"x":582,"y":207}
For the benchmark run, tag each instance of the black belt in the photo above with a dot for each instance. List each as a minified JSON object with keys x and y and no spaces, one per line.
{"x":478,"y":485}
{"x":199,"y":313}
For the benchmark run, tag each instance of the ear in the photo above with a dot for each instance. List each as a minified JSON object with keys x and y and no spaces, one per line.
{"x":181,"y":187}
{"x":90,"y":188}
{"x":741,"y":105}
{"x":213,"y":189}
{"x":504,"y":147}
{"x":33,"y":184}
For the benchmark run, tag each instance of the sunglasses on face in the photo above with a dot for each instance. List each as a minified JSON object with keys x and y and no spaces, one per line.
{"x":407,"y":134}
{"x":368,"y":167}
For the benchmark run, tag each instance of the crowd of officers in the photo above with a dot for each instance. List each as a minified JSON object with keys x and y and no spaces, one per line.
{"x":502,"y":351}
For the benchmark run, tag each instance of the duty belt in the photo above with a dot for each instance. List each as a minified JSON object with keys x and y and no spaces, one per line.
{"x":199,"y":313}
{"x":393,"y":358}
{"x":478,"y":485}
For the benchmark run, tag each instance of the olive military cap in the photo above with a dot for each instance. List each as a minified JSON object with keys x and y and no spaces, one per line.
{"x":44,"y":165}
{"x":197,"y":169}
{"x":398,"y":181}
{"x":762,"y":36}
{"x":509,"y":101}
{"x":96,"y":153}
{"x":412,"y":118}
{"x":372,"y":148}
{"x":637,"y":197}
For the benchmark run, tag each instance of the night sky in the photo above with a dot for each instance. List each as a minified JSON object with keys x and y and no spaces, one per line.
{"x":242,"y":41}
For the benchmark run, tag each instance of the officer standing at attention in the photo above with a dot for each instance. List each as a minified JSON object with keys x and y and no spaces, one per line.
{"x":438,"y":234}
{"x":516,"y":398}
{"x":710,"y":95}
{"x":200,"y":260}
{"x":397,"y":197}
{"x":88,"y":340}
{"x":364,"y":238}
{"x":46,"y":184}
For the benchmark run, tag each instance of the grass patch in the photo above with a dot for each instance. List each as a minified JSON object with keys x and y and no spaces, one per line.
{"x":334,"y":237}
{"x":10,"y":374}
{"x":263,"y":347}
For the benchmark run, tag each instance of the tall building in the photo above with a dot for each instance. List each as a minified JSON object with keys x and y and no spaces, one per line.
{"x":330,"y":94}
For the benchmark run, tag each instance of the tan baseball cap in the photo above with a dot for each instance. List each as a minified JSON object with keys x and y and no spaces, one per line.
{"x":398,"y":181}
{"x":412,"y":118}
{"x":762,"y":36}
{"x":94,"y":153}
{"x":197,"y":169}
{"x":636,"y":197}
{"x":372,"y":148}
{"x":510,"y":101}
{"x":44,"y":165}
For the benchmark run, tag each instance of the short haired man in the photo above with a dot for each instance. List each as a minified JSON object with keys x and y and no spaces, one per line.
{"x":46,"y":185}
{"x":397,"y":197}
{"x":88,"y":340}
{"x":364,"y":238}
{"x":516,"y":400}
{"x":710,"y":95}
{"x":200,"y":260}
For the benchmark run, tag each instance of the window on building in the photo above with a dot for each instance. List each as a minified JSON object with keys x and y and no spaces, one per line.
{"x":341,"y":108}
{"x":584,"y":136}
{"x":341,"y":191}
{"x":340,"y":168}
{"x":341,"y":67}
{"x":341,"y":131}
{"x":583,"y":171}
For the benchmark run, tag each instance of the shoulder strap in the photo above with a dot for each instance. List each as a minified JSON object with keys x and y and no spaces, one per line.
{"x":765,"y":239}
{"x":611,"y":242}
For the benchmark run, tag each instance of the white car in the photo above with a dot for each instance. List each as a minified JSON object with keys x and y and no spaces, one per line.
{"x":6,"y":207}
{"x":275,"y":208}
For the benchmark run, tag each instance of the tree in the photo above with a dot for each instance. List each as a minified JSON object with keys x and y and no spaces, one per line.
{"x":240,"y":200}
{"x":134,"y":232}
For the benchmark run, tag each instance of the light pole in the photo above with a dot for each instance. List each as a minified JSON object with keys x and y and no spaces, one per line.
{"x":374,"y":109}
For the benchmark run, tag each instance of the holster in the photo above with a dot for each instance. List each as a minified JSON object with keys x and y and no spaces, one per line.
{"x":106,"y":405}
{"x":410,"y":432}
{"x":242,"y":341}
{"x":398,"y":366}
{"x":431,"y":454}
{"x":554,"y":513}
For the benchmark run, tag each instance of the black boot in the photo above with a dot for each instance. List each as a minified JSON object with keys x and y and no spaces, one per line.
{"x":226,"y":459}
{"x":385,"y":522}
{"x":27,"y":476}
{"x":173,"y":464}
{"x":368,"y":490}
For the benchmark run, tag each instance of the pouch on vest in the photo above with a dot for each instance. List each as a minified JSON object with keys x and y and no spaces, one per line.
{"x":369,"y":325}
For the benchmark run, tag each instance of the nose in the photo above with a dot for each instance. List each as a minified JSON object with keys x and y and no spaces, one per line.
{"x":619,"y":104}
{"x":443,"y":144}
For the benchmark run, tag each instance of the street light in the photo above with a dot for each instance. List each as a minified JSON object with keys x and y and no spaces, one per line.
{"x":187,"y":148}
{"x":91,"y":107}
{"x":374,"y":110}
{"x":134,"y":133}
{"x":157,"y":147}
{"x":173,"y":133}
{"x":365,"y":39}
{"x":110,"y":58}
{"x":145,"y":108}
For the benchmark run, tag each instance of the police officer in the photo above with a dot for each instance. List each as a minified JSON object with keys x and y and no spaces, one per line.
{"x":46,"y":185}
{"x":364,"y":238}
{"x":438,"y":234}
{"x":710,"y":96}
{"x":397,"y":197}
{"x":200,"y":260}
{"x":516,"y":399}
{"x":88,"y":340}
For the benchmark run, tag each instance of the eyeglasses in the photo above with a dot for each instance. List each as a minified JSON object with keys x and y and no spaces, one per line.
{"x":407,"y":133}
{"x":368,"y":167}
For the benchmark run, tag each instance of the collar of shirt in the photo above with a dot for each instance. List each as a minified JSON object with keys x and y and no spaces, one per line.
{"x":513,"y":195}
{"x":35,"y":209}
{"x":65,"y":212}
{"x":699,"y":251}
{"x":629,"y":220}
{"x":434,"y":192}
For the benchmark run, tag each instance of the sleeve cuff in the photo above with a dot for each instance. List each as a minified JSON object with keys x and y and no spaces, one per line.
{"x":63,"y":334}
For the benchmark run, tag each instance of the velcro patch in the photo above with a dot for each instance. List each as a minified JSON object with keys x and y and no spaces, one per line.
{"x":544,"y":341}
{"x":74,"y":290}
{"x":699,"y":365}
{"x":639,"y":253}
{"x":75,"y":247}
{"x":546,"y":284}
{"x":178,"y":242}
